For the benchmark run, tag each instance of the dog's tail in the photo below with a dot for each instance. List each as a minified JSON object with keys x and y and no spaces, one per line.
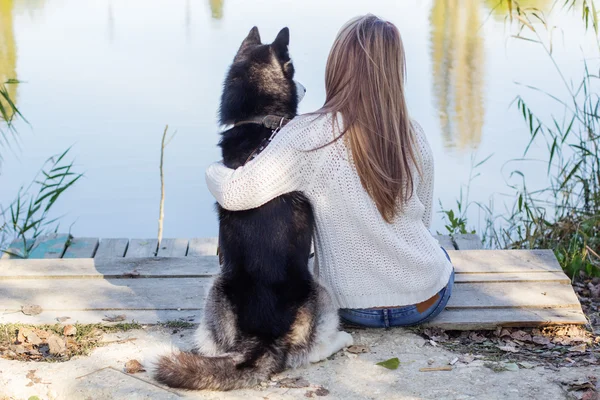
{"x":187,"y":370}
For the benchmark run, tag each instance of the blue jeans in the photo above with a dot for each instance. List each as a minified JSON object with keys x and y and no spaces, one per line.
{"x":398,"y":316}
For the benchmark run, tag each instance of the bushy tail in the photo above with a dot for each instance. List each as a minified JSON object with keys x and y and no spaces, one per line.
{"x":196,"y":372}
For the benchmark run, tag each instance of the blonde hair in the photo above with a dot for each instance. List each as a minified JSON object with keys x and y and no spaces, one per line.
{"x":364,"y":82}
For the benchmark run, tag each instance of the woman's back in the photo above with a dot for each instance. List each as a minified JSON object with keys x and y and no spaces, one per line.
{"x":365,"y":260}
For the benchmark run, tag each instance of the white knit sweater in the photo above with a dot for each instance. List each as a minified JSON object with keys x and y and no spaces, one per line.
{"x":363,"y":260}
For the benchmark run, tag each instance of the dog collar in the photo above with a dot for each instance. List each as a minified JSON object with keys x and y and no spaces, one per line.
{"x":272,"y":122}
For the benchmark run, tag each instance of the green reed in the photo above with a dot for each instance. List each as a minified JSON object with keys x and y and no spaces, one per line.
{"x":28,"y":216}
{"x":564,"y":216}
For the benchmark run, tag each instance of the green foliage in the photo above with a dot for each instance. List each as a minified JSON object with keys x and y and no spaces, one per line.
{"x":27,"y":217}
{"x":29,"y":214}
{"x":565,"y":216}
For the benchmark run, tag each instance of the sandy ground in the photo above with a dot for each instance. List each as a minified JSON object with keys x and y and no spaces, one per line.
{"x":345,"y":376}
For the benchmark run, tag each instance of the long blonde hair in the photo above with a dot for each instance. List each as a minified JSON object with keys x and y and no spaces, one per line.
{"x":364,"y":82}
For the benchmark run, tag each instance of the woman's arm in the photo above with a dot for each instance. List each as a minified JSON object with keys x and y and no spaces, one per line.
{"x":281,"y":168}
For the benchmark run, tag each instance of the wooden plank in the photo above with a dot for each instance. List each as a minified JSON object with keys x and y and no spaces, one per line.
{"x":16,"y":247}
{"x":100,"y":268}
{"x":202,"y":247}
{"x":108,"y":293}
{"x":513,"y":294}
{"x":445,"y":241}
{"x":105,"y":294}
{"x":97,"y":316}
{"x":491,"y":261}
{"x":142,"y":248}
{"x":52,"y":245}
{"x":111,"y":248}
{"x":82,"y":248}
{"x":173,"y":248}
{"x":481,"y":265}
{"x":467,"y":242}
{"x":560,"y":277}
{"x":514,"y":317}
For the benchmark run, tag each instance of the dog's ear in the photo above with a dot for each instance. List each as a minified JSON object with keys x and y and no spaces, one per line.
{"x":252,"y":39}
{"x":280,"y":45}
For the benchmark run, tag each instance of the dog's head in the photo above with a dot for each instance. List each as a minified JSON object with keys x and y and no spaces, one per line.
{"x":261,"y":80}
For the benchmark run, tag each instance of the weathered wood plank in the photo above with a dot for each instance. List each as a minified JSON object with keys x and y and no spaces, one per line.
{"x":202,"y":247}
{"x":513,"y":294}
{"x":81,"y":248}
{"x":100,"y":268}
{"x":141,"y":248}
{"x":173,"y":248}
{"x":560,"y":277}
{"x":52,"y":245}
{"x":160,"y":293}
{"x":111,"y":248}
{"x":467,"y":242}
{"x":16,"y":248}
{"x":104,"y":294}
{"x":515,"y":317}
{"x":491,"y":261}
{"x":481,"y":264}
{"x":97,"y":316}
{"x":445,"y":241}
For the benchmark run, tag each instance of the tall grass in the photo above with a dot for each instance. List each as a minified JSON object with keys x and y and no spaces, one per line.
{"x":28,"y":216}
{"x":564,"y":216}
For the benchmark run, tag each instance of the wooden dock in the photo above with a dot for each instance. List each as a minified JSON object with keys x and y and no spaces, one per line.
{"x":89,"y":280}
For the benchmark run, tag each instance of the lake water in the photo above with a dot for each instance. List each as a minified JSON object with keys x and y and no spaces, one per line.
{"x":106,"y":76}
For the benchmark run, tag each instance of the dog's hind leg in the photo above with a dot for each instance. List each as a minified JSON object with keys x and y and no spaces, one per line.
{"x":217,"y":333}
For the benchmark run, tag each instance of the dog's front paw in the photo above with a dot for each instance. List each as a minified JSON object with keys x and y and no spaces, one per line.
{"x":345,"y":339}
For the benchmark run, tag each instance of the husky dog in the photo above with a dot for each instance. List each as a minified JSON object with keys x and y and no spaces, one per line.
{"x":264,"y":312}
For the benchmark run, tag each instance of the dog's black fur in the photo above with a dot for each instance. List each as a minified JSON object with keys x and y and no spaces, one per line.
{"x":265,"y":250}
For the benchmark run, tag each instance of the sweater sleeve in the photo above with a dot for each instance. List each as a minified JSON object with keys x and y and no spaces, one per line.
{"x":424,"y":190}
{"x":281,"y":168}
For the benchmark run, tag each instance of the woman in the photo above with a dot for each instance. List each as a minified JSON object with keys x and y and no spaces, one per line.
{"x":368,"y":171}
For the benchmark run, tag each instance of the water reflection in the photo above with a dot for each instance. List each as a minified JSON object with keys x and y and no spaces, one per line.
{"x":216,"y":8}
{"x":458,"y":58}
{"x":8,"y":51}
{"x":500,"y":8}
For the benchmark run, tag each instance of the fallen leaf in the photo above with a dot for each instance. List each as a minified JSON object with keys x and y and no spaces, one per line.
{"x":526,"y":365}
{"x":511,"y":367}
{"x":392,"y":363}
{"x":521,"y":335}
{"x":357,"y":349}
{"x":466,"y":359}
{"x":133,"y":366}
{"x":33,"y":339}
{"x":579,"y":349}
{"x":321,"y":391}
{"x":477,"y":338}
{"x":541,"y":340}
{"x":508,"y":348}
{"x":293,"y":383}
{"x":433,"y":369}
{"x":32,"y":378}
{"x":69,"y":330}
{"x":594,"y":289}
{"x":31,"y":309}
{"x":56,"y":345}
{"x":114,"y":318}
{"x":590,"y":395}
{"x":33,"y":398}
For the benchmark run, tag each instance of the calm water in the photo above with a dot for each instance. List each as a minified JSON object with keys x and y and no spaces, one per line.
{"x":106,"y":76}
